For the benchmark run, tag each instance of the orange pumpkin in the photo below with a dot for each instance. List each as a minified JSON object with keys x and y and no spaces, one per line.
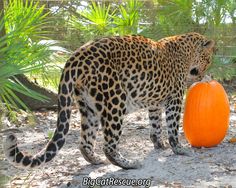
{"x":206,"y":114}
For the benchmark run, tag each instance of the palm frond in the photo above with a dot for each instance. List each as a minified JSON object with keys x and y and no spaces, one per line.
{"x":21,"y":51}
{"x":127,"y":19}
{"x":95,"y":19}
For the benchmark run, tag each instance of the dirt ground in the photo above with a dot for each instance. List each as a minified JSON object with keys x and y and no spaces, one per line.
{"x":213,"y":167}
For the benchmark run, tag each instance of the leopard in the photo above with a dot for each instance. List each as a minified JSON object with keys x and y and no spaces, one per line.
{"x":116,"y":75}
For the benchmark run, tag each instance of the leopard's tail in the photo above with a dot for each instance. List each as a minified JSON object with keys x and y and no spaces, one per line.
{"x":18,"y":158}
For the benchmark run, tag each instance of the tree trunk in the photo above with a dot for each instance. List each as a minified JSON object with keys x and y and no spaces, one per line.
{"x":3,"y":30}
{"x":34,"y":104}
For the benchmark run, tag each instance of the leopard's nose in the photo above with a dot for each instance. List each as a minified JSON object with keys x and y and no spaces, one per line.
{"x":194,"y":72}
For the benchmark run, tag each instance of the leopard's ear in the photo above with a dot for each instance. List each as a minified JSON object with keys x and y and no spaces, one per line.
{"x":209,"y":45}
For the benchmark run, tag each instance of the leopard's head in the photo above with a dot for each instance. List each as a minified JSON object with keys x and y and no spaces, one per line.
{"x":201,"y":59}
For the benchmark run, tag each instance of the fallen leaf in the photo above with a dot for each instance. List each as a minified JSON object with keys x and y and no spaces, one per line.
{"x":232,"y":140}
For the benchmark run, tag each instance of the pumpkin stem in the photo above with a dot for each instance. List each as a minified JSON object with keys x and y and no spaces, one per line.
{"x":206,"y":78}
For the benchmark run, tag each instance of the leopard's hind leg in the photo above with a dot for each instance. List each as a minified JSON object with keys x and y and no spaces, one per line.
{"x":112,"y":119}
{"x":90,"y":122}
{"x":112,"y":132}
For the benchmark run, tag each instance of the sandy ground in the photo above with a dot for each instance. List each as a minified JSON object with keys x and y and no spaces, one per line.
{"x":214,"y":167}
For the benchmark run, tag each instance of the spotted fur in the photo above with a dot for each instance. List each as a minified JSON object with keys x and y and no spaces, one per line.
{"x":113,"y":76}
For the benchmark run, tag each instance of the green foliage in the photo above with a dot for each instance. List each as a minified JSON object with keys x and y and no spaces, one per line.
{"x":26,"y":16}
{"x":102,"y":19}
{"x":50,"y":134}
{"x":4,"y":179}
{"x":174,"y":14}
{"x":126,"y":21}
{"x":21,"y":50}
{"x":223,"y":68}
{"x":95,"y":19}
{"x":214,"y":13}
{"x":49,"y":74}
